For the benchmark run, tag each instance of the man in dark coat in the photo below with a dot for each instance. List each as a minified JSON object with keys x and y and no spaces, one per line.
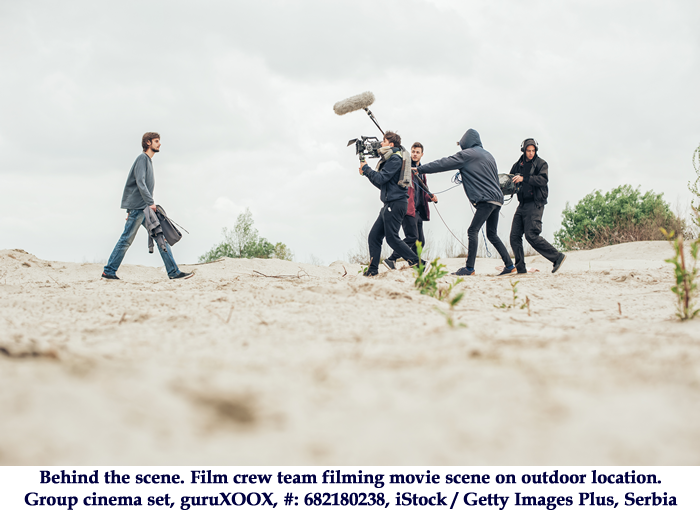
{"x":532,"y":173}
{"x":480,"y":180}
{"x":417,"y":211}
{"x":395,"y":198}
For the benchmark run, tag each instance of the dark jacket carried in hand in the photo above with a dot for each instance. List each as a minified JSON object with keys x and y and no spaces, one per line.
{"x":477,"y":168}
{"x":155,"y":231}
{"x":160,"y":228}
{"x":535,"y":178}
{"x":171,"y":233}
{"x":387,"y":176}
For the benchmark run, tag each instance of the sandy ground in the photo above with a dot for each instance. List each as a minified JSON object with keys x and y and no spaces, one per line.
{"x":321,"y":367}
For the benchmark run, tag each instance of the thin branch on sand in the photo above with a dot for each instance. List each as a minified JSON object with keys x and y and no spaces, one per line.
{"x":228,"y":318}
{"x":298,"y":275}
{"x":207,"y":263}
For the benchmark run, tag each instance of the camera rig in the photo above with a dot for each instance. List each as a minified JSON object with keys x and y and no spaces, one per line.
{"x":366,"y":146}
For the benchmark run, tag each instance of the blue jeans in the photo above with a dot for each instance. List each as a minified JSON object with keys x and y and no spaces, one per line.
{"x":135,"y":220}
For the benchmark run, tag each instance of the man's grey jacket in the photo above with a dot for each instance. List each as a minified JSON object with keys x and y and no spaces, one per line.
{"x":155,"y":231}
{"x":477,"y":168}
{"x":138,"y":191}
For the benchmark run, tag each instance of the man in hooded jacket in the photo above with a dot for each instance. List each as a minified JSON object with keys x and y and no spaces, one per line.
{"x":479,"y":175}
{"x":532,"y":173}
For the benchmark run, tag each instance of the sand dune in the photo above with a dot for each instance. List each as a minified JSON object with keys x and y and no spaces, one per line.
{"x":271,"y":362}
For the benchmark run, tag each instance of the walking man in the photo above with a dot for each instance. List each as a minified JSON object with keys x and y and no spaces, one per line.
{"x":395,"y":198}
{"x":480,"y":181}
{"x":417,"y":211}
{"x":532,"y":173}
{"x":137,"y":197}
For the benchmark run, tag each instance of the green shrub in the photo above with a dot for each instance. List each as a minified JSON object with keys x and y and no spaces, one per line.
{"x":514,"y":304}
{"x":243,"y":242}
{"x":686,"y":274}
{"x":619,"y":216}
{"x":427,"y":283}
{"x":427,"y":277}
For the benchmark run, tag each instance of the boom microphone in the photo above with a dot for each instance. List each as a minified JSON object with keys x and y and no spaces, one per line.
{"x":361,"y":101}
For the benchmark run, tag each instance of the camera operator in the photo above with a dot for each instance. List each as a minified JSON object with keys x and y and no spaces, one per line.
{"x":395,"y":199}
{"x":532,"y":173}
{"x":480,"y":181}
{"x":417,"y":211}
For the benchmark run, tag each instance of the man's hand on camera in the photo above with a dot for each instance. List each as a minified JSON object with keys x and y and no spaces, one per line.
{"x":361,"y":166}
{"x":517,"y":179}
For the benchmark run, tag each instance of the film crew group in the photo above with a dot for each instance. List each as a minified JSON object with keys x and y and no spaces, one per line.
{"x":417,"y":211}
{"x":531,"y":173}
{"x":392,"y":177}
{"x":479,"y":176}
{"x":141,"y":209}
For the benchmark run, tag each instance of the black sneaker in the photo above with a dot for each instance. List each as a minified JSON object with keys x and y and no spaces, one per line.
{"x":183,"y":275}
{"x":390,"y":264}
{"x":509,"y":271}
{"x":558,"y":262}
{"x":370,"y":273}
{"x":109,"y":276}
{"x":465,"y":271}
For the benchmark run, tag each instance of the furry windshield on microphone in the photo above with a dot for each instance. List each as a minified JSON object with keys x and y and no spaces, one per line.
{"x":361,"y":101}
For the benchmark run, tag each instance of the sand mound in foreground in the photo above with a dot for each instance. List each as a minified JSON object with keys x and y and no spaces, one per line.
{"x":270,"y":362}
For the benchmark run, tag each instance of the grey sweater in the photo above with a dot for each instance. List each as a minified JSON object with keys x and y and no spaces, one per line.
{"x":138,"y":191}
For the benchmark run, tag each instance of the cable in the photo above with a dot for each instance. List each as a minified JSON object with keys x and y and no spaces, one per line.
{"x":458,"y":182}
{"x":443,"y":191}
{"x":453,"y":234}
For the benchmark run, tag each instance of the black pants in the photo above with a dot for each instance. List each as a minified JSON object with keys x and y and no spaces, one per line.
{"x":488,"y":213}
{"x":387,"y":225}
{"x":413,"y":230}
{"x":528,"y":221}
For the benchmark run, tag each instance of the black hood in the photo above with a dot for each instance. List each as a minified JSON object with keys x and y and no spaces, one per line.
{"x":470,"y":139}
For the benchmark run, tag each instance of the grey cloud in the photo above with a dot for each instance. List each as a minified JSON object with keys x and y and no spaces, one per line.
{"x":242,"y":94}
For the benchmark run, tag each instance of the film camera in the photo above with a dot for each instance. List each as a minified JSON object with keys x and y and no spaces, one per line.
{"x":366,"y":146}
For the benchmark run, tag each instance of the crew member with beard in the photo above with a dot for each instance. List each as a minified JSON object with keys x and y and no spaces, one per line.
{"x":138,"y":197}
{"x":480,"y":181}
{"x":417,"y":211}
{"x":532,"y":173}
{"x":395,"y":198}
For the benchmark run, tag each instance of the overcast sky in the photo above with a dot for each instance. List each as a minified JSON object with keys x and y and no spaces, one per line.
{"x":242,"y":95}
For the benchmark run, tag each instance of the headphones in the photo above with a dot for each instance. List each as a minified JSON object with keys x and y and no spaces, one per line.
{"x":522,"y":145}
